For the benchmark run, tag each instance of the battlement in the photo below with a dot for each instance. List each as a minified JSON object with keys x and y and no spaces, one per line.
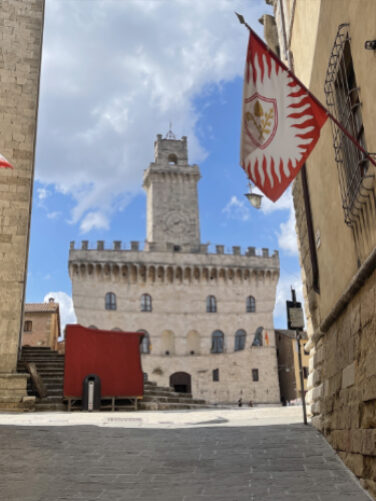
{"x":135,"y":246}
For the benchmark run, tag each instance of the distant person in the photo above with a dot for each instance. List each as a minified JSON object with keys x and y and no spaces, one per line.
{"x":240,"y":402}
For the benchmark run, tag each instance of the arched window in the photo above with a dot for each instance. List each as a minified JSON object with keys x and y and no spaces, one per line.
{"x":145,"y":343}
{"x":240,"y":337}
{"x":218,"y":342}
{"x":211,"y":304}
{"x":146,"y":302}
{"x":251,"y":304}
{"x":110,"y":301}
{"x":172,"y":159}
{"x":117,"y":329}
{"x":93,"y":327}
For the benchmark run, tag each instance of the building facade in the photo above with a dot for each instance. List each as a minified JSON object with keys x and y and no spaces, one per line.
{"x":207,"y":317}
{"x":41,"y":326}
{"x":333,"y":48}
{"x":21,"y":29}
{"x":288,"y":364}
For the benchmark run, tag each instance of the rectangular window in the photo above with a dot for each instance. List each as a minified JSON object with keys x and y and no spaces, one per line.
{"x":216,"y":375}
{"x":305,"y":372}
{"x":255,"y":374}
{"x":28,"y":326}
{"x":343,"y":101}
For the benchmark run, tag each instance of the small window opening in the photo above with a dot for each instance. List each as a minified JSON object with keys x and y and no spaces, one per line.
{"x":172,"y":159}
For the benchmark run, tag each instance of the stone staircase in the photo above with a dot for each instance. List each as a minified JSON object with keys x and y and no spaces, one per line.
{"x":164,"y":398}
{"x":50,"y":366}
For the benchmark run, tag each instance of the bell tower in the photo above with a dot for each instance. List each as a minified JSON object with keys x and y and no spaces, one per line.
{"x":171,"y":190}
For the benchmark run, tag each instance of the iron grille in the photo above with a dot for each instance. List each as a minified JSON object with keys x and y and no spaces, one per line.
{"x":343,"y":102}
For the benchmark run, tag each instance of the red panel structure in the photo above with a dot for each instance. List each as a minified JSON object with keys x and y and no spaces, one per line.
{"x":113,"y":356}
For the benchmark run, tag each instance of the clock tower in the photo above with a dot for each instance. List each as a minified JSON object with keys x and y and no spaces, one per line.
{"x":172,"y":204}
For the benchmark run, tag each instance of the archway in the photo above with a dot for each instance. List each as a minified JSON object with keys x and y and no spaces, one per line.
{"x":181,"y":382}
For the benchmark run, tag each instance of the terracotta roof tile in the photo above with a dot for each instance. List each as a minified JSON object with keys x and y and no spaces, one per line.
{"x":41,"y":307}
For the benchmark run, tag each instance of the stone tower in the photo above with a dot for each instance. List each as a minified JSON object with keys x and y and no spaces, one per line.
{"x":172,"y":204}
{"x":21,"y":28}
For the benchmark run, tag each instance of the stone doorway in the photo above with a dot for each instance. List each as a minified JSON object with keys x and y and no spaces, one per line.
{"x":181,"y":382}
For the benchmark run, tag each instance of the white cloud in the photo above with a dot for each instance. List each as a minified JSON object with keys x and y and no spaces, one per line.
{"x":54,"y":215}
{"x":237,"y":209}
{"x":287,"y":237}
{"x":67,"y":315}
{"x":42,"y":194}
{"x":285,"y":202}
{"x":113,"y":75}
{"x":94,"y":220}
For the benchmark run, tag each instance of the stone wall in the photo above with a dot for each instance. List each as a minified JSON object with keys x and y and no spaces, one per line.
{"x":344,"y":384}
{"x":341,"y":320}
{"x":234,"y":370}
{"x":21,"y":26}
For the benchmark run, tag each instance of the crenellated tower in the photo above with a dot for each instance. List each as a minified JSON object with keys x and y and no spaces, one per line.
{"x":172,"y":202}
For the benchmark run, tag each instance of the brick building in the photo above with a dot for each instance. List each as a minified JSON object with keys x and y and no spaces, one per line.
{"x":41,"y":325}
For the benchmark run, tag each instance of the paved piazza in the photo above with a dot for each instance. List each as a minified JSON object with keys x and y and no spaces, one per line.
{"x":212,"y":455}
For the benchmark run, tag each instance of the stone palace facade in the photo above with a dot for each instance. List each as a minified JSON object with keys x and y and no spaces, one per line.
{"x":207,"y":317}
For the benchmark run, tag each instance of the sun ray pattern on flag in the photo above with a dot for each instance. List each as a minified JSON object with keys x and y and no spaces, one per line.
{"x":4,"y":162}
{"x":280,"y":125}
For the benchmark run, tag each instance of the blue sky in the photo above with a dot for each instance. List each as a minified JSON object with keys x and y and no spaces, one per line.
{"x":114,"y":74}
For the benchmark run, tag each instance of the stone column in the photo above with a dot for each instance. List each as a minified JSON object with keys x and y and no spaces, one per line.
{"x":21,"y":28}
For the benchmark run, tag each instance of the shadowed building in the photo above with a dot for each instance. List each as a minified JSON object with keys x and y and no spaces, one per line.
{"x":21,"y":27}
{"x":200,"y":311}
{"x":333,"y":44}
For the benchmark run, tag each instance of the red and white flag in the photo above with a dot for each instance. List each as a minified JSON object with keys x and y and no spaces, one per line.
{"x":281,"y":122}
{"x":4,"y":162}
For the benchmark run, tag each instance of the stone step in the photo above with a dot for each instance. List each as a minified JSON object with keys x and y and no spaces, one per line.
{"x":48,"y":361}
{"x":50,"y":406}
{"x":28,"y":350}
{"x":150,"y":406}
{"x":173,"y":400}
{"x":157,"y":393}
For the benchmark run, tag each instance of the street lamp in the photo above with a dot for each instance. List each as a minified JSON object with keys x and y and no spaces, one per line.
{"x":253,"y":198}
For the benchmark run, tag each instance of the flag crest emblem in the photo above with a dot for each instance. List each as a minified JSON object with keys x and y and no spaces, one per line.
{"x":260,"y":119}
{"x":281,"y":122}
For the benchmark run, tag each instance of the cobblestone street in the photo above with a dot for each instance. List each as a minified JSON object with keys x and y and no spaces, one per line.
{"x":208,"y":460}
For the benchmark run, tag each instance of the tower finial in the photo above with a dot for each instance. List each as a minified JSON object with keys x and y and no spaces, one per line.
{"x":170,"y":134}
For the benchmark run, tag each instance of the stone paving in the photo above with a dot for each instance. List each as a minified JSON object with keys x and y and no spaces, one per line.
{"x":203,"y":462}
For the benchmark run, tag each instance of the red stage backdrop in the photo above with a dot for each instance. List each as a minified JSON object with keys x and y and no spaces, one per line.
{"x":113,"y":356}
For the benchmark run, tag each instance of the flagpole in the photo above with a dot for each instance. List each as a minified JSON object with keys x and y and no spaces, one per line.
{"x":329,"y":115}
